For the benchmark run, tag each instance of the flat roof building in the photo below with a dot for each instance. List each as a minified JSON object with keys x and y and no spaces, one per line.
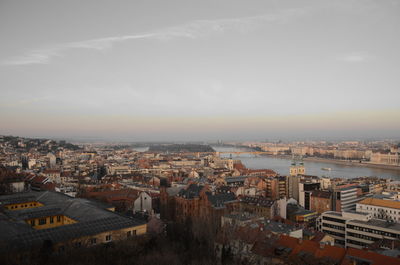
{"x":357,"y":230}
{"x":380,"y":208}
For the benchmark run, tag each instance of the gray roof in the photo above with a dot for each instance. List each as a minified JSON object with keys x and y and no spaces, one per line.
{"x":92,"y":218}
{"x":172,"y":191}
{"x":219,"y":200}
{"x":298,"y":210}
{"x":69,"y":232}
{"x":36,"y":212}
{"x":259,"y":201}
{"x":235,"y":179}
{"x":11,"y":199}
{"x":278,"y":227}
{"x":192,"y":191}
{"x":379,"y":223}
{"x":383,"y":196}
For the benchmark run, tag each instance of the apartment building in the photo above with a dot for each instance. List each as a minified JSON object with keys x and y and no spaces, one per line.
{"x":357,"y":230}
{"x":345,"y":199}
{"x":360,"y":234}
{"x":334,"y":224}
{"x":380,"y":208}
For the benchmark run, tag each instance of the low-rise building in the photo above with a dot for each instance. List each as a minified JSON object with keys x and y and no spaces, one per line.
{"x":28,"y":220}
{"x":320,"y":201}
{"x":380,"y":208}
{"x":357,"y":230}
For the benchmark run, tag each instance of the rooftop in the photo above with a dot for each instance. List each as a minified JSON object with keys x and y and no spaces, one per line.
{"x":381,"y":203}
{"x":219,"y":200}
{"x":192,"y":191}
{"x":259,"y":201}
{"x":92,"y":218}
{"x":321,"y":194}
{"x":379,"y":223}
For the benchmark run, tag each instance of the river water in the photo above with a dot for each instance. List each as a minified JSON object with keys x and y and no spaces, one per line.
{"x":281,"y":165}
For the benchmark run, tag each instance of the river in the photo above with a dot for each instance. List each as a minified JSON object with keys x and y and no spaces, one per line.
{"x":281,"y":165}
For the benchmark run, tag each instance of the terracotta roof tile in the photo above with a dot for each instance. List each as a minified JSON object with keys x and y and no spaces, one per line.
{"x":381,"y":203}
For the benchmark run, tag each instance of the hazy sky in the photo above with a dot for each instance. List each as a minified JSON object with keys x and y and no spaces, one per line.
{"x":199,"y":70}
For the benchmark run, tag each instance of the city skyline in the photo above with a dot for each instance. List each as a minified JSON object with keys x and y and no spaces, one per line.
{"x":191,"y":70}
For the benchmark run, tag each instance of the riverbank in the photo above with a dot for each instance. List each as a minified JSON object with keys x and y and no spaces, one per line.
{"x":342,"y":162}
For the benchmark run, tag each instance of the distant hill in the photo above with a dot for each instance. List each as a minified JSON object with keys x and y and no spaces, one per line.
{"x":180,"y":148}
{"x":44,"y":145}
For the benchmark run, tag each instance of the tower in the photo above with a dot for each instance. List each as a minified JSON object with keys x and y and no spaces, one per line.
{"x":297,"y":169}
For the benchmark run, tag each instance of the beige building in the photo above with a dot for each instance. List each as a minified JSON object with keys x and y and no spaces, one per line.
{"x":349,"y":154}
{"x":385,"y":158}
{"x":296,"y":170}
{"x":302,"y":150}
{"x":380,"y":208}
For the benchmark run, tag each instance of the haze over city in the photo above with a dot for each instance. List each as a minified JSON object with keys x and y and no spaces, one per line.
{"x":200,"y":70}
{"x":188,"y":132}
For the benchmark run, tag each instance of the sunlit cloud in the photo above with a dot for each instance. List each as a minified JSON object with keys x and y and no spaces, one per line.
{"x":192,"y":30}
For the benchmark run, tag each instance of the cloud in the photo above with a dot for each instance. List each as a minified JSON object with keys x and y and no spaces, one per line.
{"x":356,"y":57}
{"x":192,"y":30}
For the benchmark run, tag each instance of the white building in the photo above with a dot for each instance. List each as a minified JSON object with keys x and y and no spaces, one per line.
{"x":143,"y":203}
{"x":52,"y":160}
{"x":356,"y":230}
{"x":379,"y":208}
{"x":334,"y":224}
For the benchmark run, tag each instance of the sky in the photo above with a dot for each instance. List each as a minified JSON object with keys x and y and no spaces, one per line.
{"x":146,"y":70}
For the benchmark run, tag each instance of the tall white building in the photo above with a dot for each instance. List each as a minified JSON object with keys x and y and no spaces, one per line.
{"x":52,"y":160}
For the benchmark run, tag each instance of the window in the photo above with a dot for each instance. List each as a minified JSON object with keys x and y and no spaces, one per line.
{"x":58,"y":218}
{"x":32,"y":222}
{"x":129,"y":233}
{"x":51,"y":219}
{"x":134,"y":232}
{"x":93,"y":241}
{"x":108,"y":238}
{"x":42,"y":221}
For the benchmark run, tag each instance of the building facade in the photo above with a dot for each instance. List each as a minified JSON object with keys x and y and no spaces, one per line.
{"x":357,"y":230}
{"x":379,"y":208}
